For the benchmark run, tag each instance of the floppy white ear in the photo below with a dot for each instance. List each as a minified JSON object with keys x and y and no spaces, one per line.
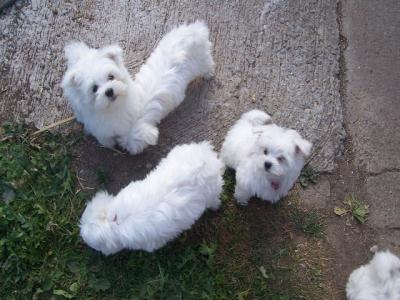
{"x":302,"y":146}
{"x":69,"y":80}
{"x":113,"y":52}
{"x":74,"y":51}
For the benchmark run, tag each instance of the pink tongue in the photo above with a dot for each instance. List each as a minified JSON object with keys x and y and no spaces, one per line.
{"x":275,"y":185}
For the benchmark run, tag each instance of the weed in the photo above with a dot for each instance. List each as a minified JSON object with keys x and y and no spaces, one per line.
{"x":309,"y":223}
{"x":229,"y":186}
{"x":308,"y":176}
{"x":357,"y":209}
{"x":102,"y":176}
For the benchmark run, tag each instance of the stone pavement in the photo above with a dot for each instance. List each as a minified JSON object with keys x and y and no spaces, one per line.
{"x":372,"y":108}
{"x":277,"y":55}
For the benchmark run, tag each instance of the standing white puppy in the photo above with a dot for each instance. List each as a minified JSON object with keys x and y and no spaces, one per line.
{"x":377,"y":280}
{"x":267,"y":158}
{"x":116,"y":109}
{"x":148,"y":213}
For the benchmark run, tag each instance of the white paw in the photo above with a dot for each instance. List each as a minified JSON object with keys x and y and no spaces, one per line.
{"x":136,"y":146}
{"x":210,"y":72}
{"x":209,"y":75}
{"x":149,"y":133}
{"x":107,"y":142}
{"x":242,"y":202}
{"x":142,"y":135}
{"x":215,"y":205}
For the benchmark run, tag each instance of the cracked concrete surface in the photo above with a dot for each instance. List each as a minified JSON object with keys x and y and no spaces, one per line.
{"x":373,"y":93}
{"x":280,"y":56}
{"x":373,"y":107}
{"x":383,"y":197}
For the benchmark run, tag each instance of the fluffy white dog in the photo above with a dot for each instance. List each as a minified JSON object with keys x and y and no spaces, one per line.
{"x":148,"y":213}
{"x":116,"y":109}
{"x":267,"y":158}
{"x":377,"y":280}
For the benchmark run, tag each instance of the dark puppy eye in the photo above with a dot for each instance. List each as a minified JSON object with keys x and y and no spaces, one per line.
{"x":281,"y":158}
{"x":265,"y":151}
{"x":111,"y":77}
{"x":94,"y":88}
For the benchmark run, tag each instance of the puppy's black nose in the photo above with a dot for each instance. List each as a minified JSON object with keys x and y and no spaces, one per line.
{"x":267,"y":165}
{"x":109,"y":93}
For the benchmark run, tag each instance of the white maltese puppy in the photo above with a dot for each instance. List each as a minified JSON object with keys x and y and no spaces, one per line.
{"x":148,"y":213}
{"x":267,"y":158}
{"x":377,"y":280}
{"x":116,"y":109}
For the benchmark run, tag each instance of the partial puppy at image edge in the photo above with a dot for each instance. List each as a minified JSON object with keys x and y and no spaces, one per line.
{"x":377,"y":280}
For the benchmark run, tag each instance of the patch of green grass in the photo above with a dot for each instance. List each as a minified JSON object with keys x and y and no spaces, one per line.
{"x":229,"y":186}
{"x":357,"y":209}
{"x":38,"y":224}
{"x":310,"y":223}
{"x":308,"y":176}
{"x":43,"y":257}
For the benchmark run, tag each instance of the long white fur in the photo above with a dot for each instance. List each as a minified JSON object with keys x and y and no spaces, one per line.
{"x":131,"y":116}
{"x":148,"y":213}
{"x":243,"y":150}
{"x":377,"y":280}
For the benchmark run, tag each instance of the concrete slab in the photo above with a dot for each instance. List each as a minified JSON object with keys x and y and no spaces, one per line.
{"x":277,"y":55}
{"x":383,"y":197}
{"x":316,"y":196}
{"x":373,"y":91}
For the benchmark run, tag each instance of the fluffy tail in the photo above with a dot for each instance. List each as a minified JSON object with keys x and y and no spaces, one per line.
{"x":256,"y":117}
{"x":192,"y":35}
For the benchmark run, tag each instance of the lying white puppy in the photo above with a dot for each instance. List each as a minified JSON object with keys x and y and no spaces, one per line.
{"x":377,"y":280}
{"x":267,"y":158}
{"x":148,"y":213}
{"x":116,"y":109}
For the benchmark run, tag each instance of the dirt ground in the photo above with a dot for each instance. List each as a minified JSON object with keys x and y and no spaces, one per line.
{"x":326,"y":68}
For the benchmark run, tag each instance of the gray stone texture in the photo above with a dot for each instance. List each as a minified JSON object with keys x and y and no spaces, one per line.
{"x":276,"y":55}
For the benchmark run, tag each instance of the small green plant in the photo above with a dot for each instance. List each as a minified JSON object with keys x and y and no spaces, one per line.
{"x":355,"y":207}
{"x":229,"y":185}
{"x":102,"y":175}
{"x":310,"y":223}
{"x":358,"y":209}
{"x":308,"y":176}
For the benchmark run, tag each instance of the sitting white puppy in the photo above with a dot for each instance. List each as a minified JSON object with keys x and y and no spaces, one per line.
{"x":267,"y":158}
{"x":116,"y":109}
{"x":148,"y":213}
{"x":377,"y":280}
